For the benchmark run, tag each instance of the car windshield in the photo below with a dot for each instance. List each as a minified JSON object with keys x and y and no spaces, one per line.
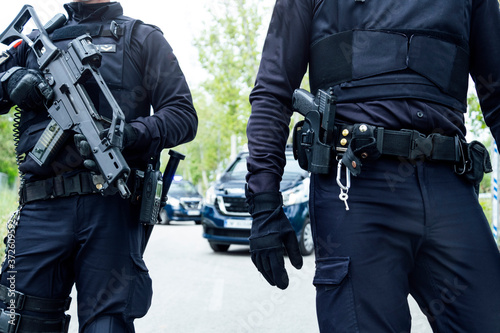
{"x":182,"y":188}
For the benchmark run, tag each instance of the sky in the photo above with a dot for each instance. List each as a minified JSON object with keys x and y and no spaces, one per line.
{"x":180,"y":22}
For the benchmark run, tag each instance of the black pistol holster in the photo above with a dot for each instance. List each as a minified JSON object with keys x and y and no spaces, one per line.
{"x":313,"y":136}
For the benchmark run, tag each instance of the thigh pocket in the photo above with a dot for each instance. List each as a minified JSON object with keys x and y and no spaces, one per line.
{"x":141,"y":292}
{"x":334,"y":295}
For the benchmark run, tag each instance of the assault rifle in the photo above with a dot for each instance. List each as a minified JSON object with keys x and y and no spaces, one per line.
{"x":72,"y":109}
{"x":313,"y":137}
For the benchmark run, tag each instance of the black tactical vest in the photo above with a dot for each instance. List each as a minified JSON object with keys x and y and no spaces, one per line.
{"x":381,"y":49}
{"x":121,"y":73}
{"x":113,"y":41}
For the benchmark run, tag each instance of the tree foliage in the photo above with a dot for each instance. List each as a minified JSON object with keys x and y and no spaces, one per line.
{"x":7,"y":149}
{"x":229,"y":48}
{"x":477,"y":127}
{"x":476,"y":123}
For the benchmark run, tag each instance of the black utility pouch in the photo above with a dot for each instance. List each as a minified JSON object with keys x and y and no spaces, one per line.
{"x":151,"y":196}
{"x":478,"y":162}
{"x":299,"y":150}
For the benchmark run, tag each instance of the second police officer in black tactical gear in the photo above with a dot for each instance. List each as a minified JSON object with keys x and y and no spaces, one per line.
{"x":396,"y":213}
{"x":68,"y":234}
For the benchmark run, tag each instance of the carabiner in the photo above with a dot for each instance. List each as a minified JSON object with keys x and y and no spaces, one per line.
{"x":347,"y":176}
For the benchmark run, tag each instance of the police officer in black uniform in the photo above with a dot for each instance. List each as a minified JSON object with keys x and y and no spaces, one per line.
{"x":67,"y":233}
{"x":399,"y":215}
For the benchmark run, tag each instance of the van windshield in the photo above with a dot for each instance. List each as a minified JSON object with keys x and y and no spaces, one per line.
{"x":239,"y":168}
{"x":292,"y":168}
{"x":182,"y":189}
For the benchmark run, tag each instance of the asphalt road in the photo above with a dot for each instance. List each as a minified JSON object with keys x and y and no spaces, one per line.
{"x":199,"y":291}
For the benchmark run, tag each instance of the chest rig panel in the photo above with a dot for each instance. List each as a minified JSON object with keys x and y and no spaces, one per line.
{"x":119,"y":69}
{"x":381,"y":49}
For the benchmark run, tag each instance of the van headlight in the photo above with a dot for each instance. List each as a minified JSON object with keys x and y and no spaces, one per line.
{"x":210,"y":196}
{"x":175,"y":203}
{"x":297,"y":194}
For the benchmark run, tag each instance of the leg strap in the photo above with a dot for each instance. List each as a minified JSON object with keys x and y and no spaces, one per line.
{"x":11,"y":322}
{"x":19,"y":301}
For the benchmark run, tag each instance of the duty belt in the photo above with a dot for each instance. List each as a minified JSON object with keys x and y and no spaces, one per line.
{"x":59,"y":186}
{"x":362,"y":141}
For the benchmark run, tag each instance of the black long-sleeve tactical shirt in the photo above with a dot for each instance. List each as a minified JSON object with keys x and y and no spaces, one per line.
{"x":285,"y":58}
{"x":160,"y":85}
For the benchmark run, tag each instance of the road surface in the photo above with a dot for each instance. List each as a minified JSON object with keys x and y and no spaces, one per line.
{"x":199,"y":291}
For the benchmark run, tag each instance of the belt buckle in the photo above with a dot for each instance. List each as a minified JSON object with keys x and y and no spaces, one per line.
{"x":19,"y":299}
{"x":418,"y":145}
{"x":58,"y":186}
{"x":8,"y":323}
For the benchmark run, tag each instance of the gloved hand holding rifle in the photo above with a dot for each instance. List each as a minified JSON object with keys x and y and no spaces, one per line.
{"x":62,"y":92}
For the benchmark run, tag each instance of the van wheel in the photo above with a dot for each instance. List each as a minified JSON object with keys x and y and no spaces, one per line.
{"x":219,"y":247}
{"x":306,"y":244}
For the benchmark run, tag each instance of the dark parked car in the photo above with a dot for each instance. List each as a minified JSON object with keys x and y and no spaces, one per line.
{"x":225,"y":216}
{"x":183,"y":204}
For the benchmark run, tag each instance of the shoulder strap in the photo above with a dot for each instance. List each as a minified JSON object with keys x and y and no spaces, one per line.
{"x":112,"y":29}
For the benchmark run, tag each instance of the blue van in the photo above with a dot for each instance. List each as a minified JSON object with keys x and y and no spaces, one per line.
{"x":224,"y":215}
{"x":183,"y":203}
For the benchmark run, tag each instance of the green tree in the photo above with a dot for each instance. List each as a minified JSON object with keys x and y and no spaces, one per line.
{"x":7,"y":149}
{"x":476,"y":124}
{"x":229,"y":48}
{"x":479,"y":130}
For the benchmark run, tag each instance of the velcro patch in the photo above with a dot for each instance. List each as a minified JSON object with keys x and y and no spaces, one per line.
{"x":106,"y":48}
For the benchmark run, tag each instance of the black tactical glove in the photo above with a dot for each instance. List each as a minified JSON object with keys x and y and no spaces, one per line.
{"x":271,"y":234}
{"x":85,"y":151}
{"x":27,"y":88}
{"x":83,"y":146}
